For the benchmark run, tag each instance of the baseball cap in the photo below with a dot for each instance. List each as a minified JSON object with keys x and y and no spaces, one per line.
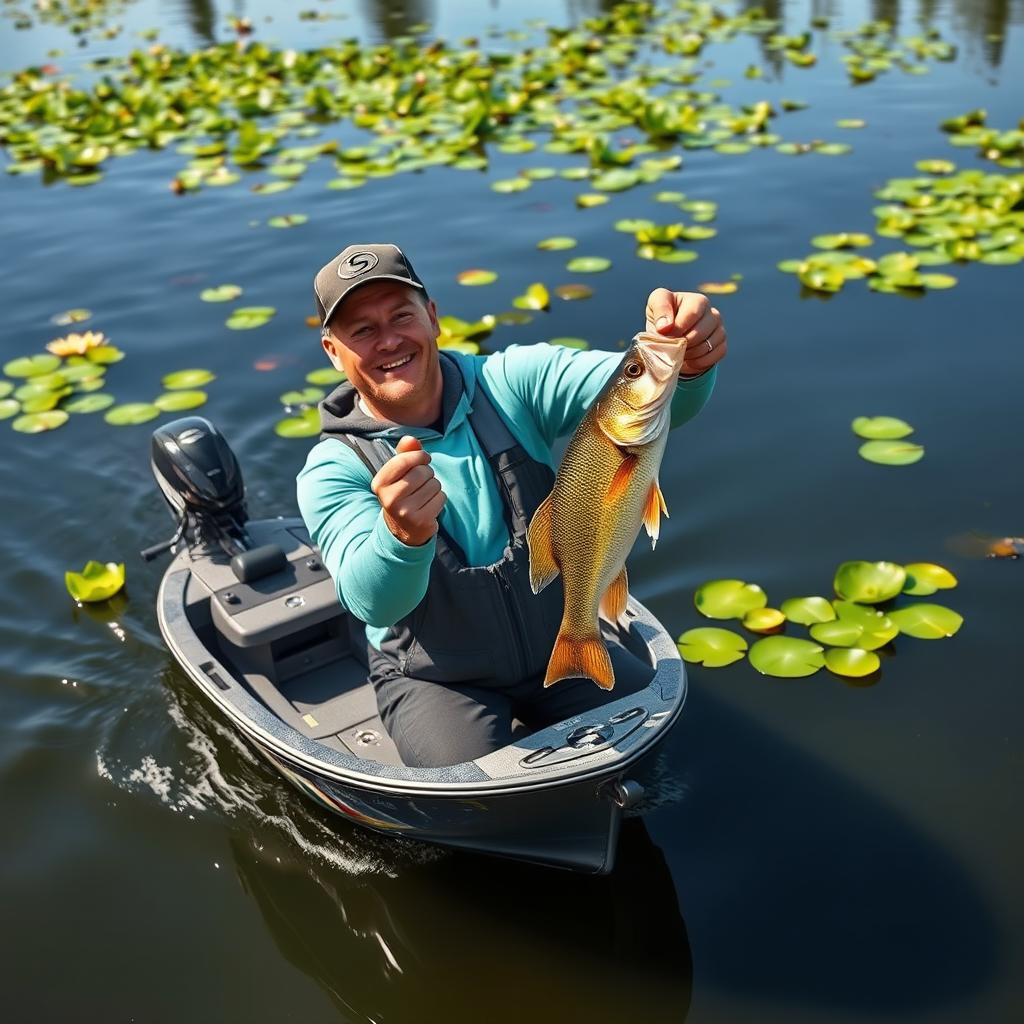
{"x":355,"y":266}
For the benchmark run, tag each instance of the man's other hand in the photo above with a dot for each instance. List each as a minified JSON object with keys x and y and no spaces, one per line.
{"x":688,"y":315}
{"x":409,"y":493}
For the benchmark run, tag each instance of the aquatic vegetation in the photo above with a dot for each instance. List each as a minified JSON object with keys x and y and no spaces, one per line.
{"x":875,"y":49}
{"x":476,"y":277}
{"x":221,"y":293}
{"x":1005,"y":148}
{"x":186,"y":379}
{"x":96,"y":582}
{"x":844,"y":632}
{"x":536,"y":296}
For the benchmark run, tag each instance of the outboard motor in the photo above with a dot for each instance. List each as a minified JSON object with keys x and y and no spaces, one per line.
{"x":200,"y":478}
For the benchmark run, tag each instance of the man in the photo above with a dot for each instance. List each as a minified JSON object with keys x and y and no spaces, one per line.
{"x":419,"y":493}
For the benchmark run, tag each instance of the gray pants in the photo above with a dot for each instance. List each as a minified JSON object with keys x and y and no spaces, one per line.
{"x":436,"y":724}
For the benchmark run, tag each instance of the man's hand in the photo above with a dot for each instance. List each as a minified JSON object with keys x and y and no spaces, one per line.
{"x":688,"y":315}
{"x":409,"y":493}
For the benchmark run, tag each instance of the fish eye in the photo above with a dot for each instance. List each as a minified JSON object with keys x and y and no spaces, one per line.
{"x":633,"y":370}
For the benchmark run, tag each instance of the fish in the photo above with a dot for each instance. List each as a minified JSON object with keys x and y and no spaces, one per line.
{"x":605,"y":490}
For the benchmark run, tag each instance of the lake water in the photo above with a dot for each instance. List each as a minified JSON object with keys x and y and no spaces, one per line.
{"x":817,"y":852}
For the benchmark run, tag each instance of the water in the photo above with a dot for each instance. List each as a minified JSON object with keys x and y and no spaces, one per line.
{"x":818,"y":852}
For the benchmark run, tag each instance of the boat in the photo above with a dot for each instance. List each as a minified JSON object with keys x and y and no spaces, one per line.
{"x":251,"y":615}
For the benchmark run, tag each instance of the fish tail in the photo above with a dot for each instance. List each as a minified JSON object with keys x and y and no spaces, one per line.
{"x":586,"y":656}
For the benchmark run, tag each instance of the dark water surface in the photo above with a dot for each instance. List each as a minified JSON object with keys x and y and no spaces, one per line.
{"x":817,"y":852}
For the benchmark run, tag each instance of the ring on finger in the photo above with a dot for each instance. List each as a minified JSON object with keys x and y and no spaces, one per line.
{"x":709,"y":345}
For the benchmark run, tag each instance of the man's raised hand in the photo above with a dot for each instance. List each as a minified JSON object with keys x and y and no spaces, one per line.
{"x":409,"y":493}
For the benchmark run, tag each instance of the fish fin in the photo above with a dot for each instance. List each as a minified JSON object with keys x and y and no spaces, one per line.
{"x":587,"y":657}
{"x":613,"y":604}
{"x":623,"y":476}
{"x":654,"y":506}
{"x":543,"y":567}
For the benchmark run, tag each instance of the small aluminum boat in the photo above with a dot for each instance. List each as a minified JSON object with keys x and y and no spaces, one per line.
{"x":251,"y":615}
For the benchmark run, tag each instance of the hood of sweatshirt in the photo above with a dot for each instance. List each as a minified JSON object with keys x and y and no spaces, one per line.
{"x":340,"y":412}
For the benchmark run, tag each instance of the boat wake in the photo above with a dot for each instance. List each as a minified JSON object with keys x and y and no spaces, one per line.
{"x":202,"y":769}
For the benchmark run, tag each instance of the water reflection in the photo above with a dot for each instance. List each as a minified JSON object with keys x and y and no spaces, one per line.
{"x":469,"y":938}
{"x":393,"y":17}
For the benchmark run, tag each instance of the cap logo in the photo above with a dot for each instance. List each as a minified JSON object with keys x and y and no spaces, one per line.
{"x":358,"y":263}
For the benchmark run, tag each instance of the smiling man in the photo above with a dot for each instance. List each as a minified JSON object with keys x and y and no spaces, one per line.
{"x":429,"y":469}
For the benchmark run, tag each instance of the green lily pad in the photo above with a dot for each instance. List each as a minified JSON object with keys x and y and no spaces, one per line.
{"x":588,"y":264}
{"x":881,"y":427}
{"x":327,"y":376}
{"x":307,"y":396}
{"x":247,"y":317}
{"x":891,"y":453}
{"x":631,"y":225}
{"x":843,"y":240}
{"x":711,"y":647}
{"x":927,"y":621}
{"x":616,"y":180}
{"x":288,"y":220}
{"x":557,"y":242}
{"x":786,"y":657}
{"x":574,"y":292}
{"x":806,"y":611}
{"x":935,"y":166}
{"x":183,"y":380}
{"x":728,"y":599}
{"x":855,"y":626}
{"x":344,"y":184}
{"x":586,"y":200}
{"x":540,"y":173}
{"x":305,"y":424}
{"x":506,"y":185}
{"x":764,"y":620}
{"x":178,"y":401}
{"x":96,"y":582}
{"x":104,"y":355}
{"x":78,"y":372}
{"x":676,"y":256}
{"x":924,"y":578}
{"x":89,"y":403}
{"x":869,"y":582}
{"x":71,"y":316}
{"x":939,"y":282}
{"x":9,"y":407}
{"x":37,"y":422}
{"x":132,"y":413}
{"x":31,"y":366}
{"x":535,"y":297}
{"x":270,"y":188}
{"x":852,"y":662}
{"x":851,"y":122}
{"x":222,"y":293}
{"x":474,"y":278}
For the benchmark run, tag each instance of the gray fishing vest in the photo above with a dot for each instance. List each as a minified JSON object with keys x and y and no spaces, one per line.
{"x":480,"y":624}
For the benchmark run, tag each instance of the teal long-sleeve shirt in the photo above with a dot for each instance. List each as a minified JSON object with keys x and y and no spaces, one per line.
{"x":541,"y":392}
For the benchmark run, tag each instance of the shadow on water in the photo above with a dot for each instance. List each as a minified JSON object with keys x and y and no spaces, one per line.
{"x":468,"y":939}
{"x":801,"y":886}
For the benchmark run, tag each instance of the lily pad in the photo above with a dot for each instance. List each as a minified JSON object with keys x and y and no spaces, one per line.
{"x":132,"y":413}
{"x":327,"y":376}
{"x":288,"y":220}
{"x":927,"y":621}
{"x":535,"y":297}
{"x":474,"y":278}
{"x":104,"y":355}
{"x":869,"y":582}
{"x":247,"y":317}
{"x":183,"y":380}
{"x":31,"y":366}
{"x":222,"y":293}
{"x":71,"y":316}
{"x":588,"y":264}
{"x":855,"y":625}
{"x":585,"y":200}
{"x":711,"y":647}
{"x":89,"y":403}
{"x":718,"y":287}
{"x":881,"y":427}
{"x":178,"y":401}
{"x":506,"y":185}
{"x":269,"y":188}
{"x":728,"y":599}
{"x":808,"y":610}
{"x":764,"y":620}
{"x":924,"y":578}
{"x":37,"y":422}
{"x":852,"y":662}
{"x":557,"y":242}
{"x":305,"y":424}
{"x":96,"y":582}
{"x":574,"y":292}
{"x":786,"y":657}
{"x":891,"y":453}
{"x":307,"y":396}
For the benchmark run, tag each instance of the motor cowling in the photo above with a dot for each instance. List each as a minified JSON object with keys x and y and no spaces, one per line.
{"x":200,"y":478}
